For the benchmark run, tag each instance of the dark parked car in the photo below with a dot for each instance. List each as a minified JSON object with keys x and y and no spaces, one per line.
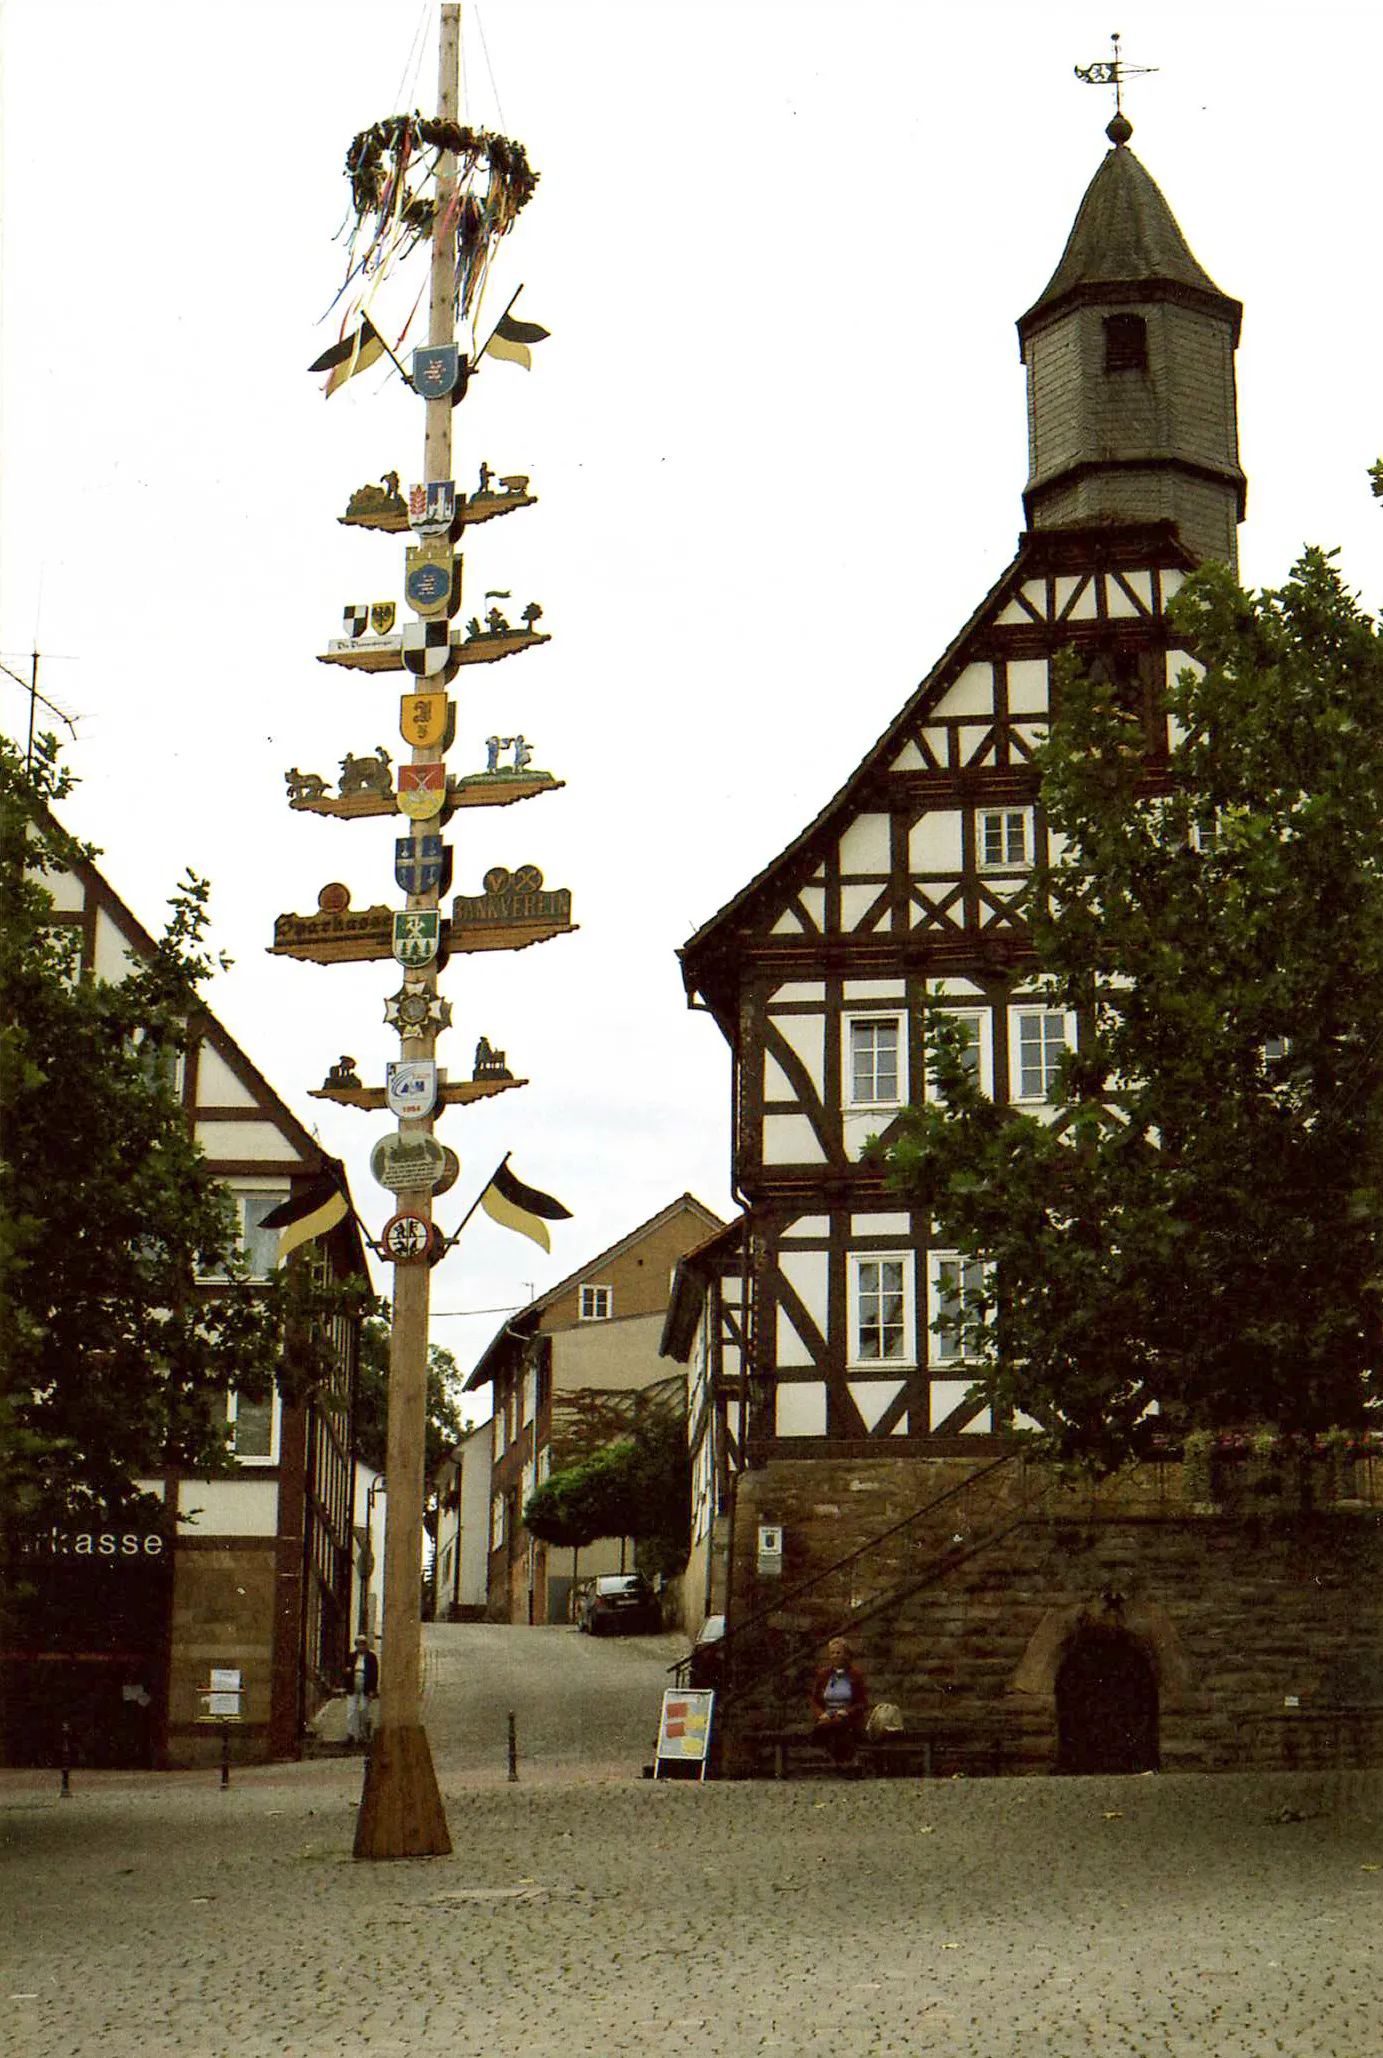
{"x":618,"y":1601}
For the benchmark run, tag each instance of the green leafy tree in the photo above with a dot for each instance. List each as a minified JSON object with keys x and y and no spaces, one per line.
{"x":445,"y":1426}
{"x":638,"y":1486}
{"x":443,"y":1429}
{"x":1199,"y":1224}
{"x":112,"y":1363}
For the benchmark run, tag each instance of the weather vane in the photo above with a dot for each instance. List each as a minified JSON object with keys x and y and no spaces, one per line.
{"x":1113,"y":73}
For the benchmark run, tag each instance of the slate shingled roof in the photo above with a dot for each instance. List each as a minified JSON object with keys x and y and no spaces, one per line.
{"x":1124,"y":234}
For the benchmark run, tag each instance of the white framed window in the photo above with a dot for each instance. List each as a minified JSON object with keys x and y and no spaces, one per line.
{"x":1003,"y":838}
{"x":597,"y":1303}
{"x":881,"y":1314}
{"x":496,"y":1521}
{"x":1204,"y":832}
{"x":974,"y":1025}
{"x":258,"y":1246}
{"x":952,"y":1285}
{"x":254,"y":1428}
{"x":1040,"y":1037}
{"x":874,"y":1056}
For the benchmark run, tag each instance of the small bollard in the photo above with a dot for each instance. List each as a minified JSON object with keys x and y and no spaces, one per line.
{"x":225,"y":1754}
{"x":65,"y":1790}
{"x":513,"y":1750}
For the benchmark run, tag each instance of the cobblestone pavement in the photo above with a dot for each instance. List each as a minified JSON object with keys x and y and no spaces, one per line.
{"x":585,"y":1910}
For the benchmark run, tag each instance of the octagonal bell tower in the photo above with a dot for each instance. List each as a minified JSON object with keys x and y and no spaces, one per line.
{"x":1129,"y":352}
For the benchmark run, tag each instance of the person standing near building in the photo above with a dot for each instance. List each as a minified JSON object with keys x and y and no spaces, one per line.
{"x":362,"y":1684}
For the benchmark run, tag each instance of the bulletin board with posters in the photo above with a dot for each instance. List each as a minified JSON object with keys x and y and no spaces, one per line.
{"x":684,"y":1730}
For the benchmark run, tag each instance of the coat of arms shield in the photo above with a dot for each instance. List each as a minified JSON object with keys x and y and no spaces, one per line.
{"x":417,"y":933}
{"x":435,"y":368}
{"x":422,"y":791}
{"x":422,"y":864}
{"x":382,"y":615}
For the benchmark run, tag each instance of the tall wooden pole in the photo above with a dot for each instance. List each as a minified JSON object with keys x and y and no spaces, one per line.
{"x":401,"y":1812}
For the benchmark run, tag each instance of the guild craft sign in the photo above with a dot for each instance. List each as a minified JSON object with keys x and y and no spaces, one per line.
{"x":515,"y":909}
{"x":337,"y":934}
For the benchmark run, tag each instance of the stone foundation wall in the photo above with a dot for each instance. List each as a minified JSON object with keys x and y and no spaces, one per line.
{"x":223,"y":1615}
{"x":1259,"y":1627}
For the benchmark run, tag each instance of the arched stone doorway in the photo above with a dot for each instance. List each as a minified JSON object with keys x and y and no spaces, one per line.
{"x":1106,"y":1703}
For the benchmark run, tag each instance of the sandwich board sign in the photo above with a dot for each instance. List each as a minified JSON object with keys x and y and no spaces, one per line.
{"x":684,"y":1728}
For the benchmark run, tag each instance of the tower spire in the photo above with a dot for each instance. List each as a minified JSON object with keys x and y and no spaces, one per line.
{"x":1130,"y":356}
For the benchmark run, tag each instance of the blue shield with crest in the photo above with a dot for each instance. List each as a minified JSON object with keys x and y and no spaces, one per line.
{"x":421,"y":863}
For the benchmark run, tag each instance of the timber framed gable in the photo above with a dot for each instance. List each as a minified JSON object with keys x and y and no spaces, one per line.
{"x":910,"y":891}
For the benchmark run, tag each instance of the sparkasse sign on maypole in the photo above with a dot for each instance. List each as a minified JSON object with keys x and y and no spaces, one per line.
{"x":461,"y":188}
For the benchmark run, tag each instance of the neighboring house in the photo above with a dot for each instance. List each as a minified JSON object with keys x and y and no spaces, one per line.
{"x":703,"y":1331}
{"x":462,"y":1482}
{"x":250,"y":1573}
{"x":825,"y":1333}
{"x":582,"y":1352}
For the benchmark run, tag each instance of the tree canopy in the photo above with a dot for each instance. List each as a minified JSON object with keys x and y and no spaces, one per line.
{"x":1199,"y":1222}
{"x":638,"y":1486}
{"x":445,"y":1426}
{"x":112,"y":1363}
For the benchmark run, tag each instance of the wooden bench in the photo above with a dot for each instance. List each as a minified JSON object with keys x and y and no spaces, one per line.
{"x":910,"y":1754}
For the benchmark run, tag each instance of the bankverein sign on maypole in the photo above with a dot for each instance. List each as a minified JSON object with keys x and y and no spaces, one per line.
{"x":413,"y":180}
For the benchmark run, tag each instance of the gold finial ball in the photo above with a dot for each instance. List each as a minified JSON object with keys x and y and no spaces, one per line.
{"x":1119,"y":130}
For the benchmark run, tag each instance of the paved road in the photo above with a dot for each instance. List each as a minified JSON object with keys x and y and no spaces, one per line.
{"x":592,"y":1912}
{"x":579,"y":1702}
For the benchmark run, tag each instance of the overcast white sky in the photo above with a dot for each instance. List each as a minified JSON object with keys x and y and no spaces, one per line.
{"x":778,"y":434}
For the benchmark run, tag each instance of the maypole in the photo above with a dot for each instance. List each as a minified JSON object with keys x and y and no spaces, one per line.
{"x":401,"y":1813}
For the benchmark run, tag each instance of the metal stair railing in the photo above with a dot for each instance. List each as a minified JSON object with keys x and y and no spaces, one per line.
{"x":783,"y":1661}
{"x":738,"y":1632}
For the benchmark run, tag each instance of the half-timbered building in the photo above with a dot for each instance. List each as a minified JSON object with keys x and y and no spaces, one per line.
{"x":247,"y":1573}
{"x":568,"y":1373}
{"x":830,"y":1325}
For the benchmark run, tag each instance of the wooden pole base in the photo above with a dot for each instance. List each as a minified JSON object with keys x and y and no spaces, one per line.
{"x":401,"y":1813}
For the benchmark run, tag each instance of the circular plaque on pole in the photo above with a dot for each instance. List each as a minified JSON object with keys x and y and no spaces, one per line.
{"x":407,"y":1238}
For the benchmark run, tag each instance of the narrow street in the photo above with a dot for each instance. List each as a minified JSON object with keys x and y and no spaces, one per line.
{"x":580,"y":1703}
{"x":585,"y":1910}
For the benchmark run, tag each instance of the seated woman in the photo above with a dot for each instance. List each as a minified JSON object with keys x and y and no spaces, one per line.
{"x":840,"y":1703}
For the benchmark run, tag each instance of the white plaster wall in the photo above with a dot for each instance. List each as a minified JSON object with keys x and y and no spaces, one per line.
{"x":872,"y":1396}
{"x":622,"y":1354}
{"x":864,"y":845}
{"x":788,"y":1346}
{"x":791,"y":1140}
{"x":806,"y":1274}
{"x":114,"y":961}
{"x":805,"y":1037}
{"x":972,"y":693}
{"x":217,"y":1085}
{"x":1027,"y":686}
{"x":801,"y":1410}
{"x":855,"y":903}
{"x":228,"y":1507}
{"x":894,"y":1225}
{"x":257,"y":1140}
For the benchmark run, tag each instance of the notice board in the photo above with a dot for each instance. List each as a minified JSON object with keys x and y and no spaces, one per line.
{"x":684,"y":1730}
